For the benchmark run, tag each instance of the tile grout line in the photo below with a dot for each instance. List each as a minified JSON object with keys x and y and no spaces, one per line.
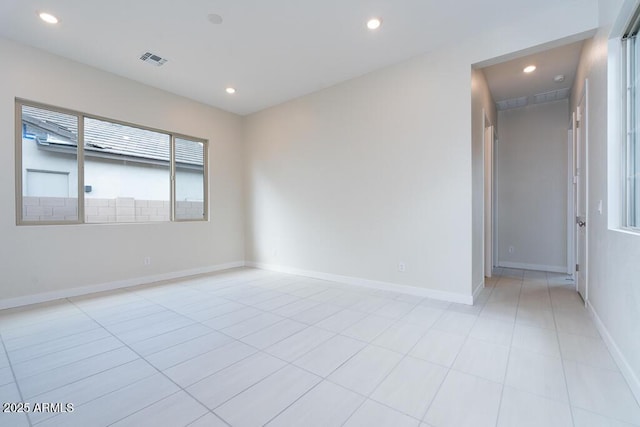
{"x":322,"y":378}
{"x":91,"y":340}
{"x":404,"y":356}
{"x":235,"y":339}
{"x":335,"y":334}
{"x":57,"y":338}
{"x":286,"y":364}
{"x":326,"y":378}
{"x":453,"y":362}
{"x":223,"y":333}
{"x":147,"y":406}
{"x":247,"y":306}
{"x":564,"y":371}
{"x":204,"y":415}
{"x":294,"y":402}
{"x":67,"y":363}
{"x":140,"y":356}
{"x":15,"y":380}
{"x":504,"y":381}
{"x":158,"y":371}
{"x":98,"y":397}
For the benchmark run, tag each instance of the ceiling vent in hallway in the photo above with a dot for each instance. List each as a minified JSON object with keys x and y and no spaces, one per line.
{"x":539,"y":98}
{"x":554,"y":95}
{"x":508,"y":104}
{"x":153,"y":59}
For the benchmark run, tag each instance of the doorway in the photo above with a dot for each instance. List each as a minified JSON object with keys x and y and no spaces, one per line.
{"x":488,"y":150}
{"x":526,"y":194}
{"x":571,"y":199}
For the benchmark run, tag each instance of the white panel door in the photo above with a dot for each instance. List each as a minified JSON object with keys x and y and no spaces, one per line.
{"x":582,"y":196}
{"x":488,"y":201}
{"x":571,"y":200}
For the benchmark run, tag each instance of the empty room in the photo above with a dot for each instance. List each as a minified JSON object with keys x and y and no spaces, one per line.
{"x":363,"y":213}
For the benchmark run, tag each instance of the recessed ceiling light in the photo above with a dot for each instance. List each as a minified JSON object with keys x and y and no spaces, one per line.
{"x":48,"y":18}
{"x":125,"y":137}
{"x":214,"y":18}
{"x":559,"y":78}
{"x":230,"y":90}
{"x":529,"y":69}
{"x":374,"y":23}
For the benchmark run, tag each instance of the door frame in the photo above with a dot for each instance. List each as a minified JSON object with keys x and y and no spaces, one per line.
{"x":571,"y":201}
{"x":488,"y":199}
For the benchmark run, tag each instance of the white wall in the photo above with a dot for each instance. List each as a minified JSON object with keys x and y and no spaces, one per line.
{"x":482,"y":104}
{"x":532,"y":187}
{"x":613,"y":255}
{"x":40,"y":259}
{"x":355,"y":178}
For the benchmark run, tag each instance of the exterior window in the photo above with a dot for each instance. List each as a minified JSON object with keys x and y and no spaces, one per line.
{"x":49,"y":165}
{"x":129,"y":173}
{"x":126,"y":173}
{"x":631,"y":153}
{"x":190,"y":182}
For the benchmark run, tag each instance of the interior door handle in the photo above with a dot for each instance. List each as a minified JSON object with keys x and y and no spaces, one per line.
{"x":581,"y":223}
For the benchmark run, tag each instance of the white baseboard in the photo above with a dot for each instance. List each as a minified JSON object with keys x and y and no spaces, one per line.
{"x":627,"y":372}
{"x":356,"y":281}
{"x":373,"y":284}
{"x":536,"y":267}
{"x":101,"y":287}
{"x":477,"y":289}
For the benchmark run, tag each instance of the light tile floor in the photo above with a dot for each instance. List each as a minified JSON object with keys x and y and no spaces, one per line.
{"x":248,"y":348}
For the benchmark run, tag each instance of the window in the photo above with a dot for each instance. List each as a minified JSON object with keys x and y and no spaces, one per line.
{"x":49,"y":159}
{"x":75,"y":168}
{"x":190,"y":178}
{"x":631,"y":154}
{"x":127,"y":174}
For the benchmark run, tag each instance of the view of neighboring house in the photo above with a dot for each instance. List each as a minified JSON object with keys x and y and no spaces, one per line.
{"x":127,"y":170}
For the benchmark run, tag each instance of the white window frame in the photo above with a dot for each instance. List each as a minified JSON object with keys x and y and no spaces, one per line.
{"x":80,"y":116}
{"x":630,"y":67}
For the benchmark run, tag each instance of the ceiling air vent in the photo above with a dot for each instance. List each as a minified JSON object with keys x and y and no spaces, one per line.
{"x":512,"y":103}
{"x":554,"y":95}
{"x":153,"y":59}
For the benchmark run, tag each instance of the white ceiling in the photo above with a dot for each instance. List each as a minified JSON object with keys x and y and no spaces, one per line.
{"x":507,"y":80}
{"x":270,"y":51}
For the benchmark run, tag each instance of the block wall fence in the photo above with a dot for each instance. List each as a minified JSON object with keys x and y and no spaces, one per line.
{"x":121,"y":209}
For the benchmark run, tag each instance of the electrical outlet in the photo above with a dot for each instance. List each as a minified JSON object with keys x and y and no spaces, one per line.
{"x":402,"y":267}
{"x":147,"y":260}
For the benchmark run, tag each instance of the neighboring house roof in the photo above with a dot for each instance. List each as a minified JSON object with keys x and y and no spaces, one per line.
{"x":58,"y":129}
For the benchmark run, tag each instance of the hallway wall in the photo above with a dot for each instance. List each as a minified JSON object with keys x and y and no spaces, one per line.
{"x":613,"y":253}
{"x":531,"y":187}
{"x":481,"y":103}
